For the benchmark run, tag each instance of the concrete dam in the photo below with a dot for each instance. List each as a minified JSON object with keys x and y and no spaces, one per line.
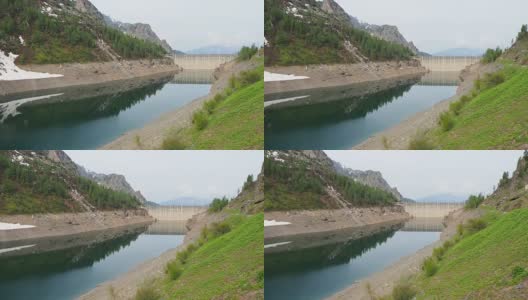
{"x":202,"y":62}
{"x":447,"y":63}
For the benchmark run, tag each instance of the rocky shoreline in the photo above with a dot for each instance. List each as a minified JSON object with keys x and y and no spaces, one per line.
{"x":324,"y":221}
{"x":60,"y":225}
{"x":77,"y":74}
{"x":374,"y":76}
{"x":383,"y":282}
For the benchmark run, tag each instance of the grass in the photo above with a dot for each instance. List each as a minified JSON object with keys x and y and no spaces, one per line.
{"x":493,"y":116}
{"x":484,"y":262}
{"x":230,"y":266}
{"x":237,"y":122}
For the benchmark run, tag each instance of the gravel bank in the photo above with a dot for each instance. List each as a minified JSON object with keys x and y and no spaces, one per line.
{"x":87,"y":74}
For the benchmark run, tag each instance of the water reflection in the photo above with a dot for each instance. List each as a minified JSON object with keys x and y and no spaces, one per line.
{"x":339,"y":119}
{"x":318,"y":266}
{"x":88,"y":117}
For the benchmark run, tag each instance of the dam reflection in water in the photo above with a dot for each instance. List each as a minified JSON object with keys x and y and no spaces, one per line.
{"x":66,"y":267}
{"x":341,"y":122}
{"x":88,"y":117}
{"x":316,"y":272}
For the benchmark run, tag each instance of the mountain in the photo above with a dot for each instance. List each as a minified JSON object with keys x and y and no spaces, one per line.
{"x":251,"y":199}
{"x":385,"y":32}
{"x":460,"y":52}
{"x":66,"y":31}
{"x":301,"y":32}
{"x":371,"y":178}
{"x":115,"y":182}
{"x":512,"y":191}
{"x":34,"y":182}
{"x":214,"y":49}
{"x":186,"y":201}
{"x":303,"y":180}
{"x":443,"y":198}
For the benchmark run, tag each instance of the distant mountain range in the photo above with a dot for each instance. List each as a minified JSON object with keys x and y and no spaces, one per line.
{"x":442,"y":198}
{"x":214,"y":49}
{"x":186,"y":201}
{"x":461,"y":52}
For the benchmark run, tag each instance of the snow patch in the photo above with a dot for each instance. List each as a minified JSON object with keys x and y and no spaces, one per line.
{"x":268,"y":223}
{"x":9,"y":71}
{"x":272,"y":102}
{"x":276,"y":245}
{"x":10,"y":108}
{"x":22,"y":42}
{"x":269,"y":77}
{"x":5,"y":250}
{"x":11,"y":226}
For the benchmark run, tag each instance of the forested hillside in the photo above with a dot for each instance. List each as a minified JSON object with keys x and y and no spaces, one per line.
{"x":31,"y":182}
{"x":56,"y":32}
{"x":300,"y":180}
{"x":300,"y":32}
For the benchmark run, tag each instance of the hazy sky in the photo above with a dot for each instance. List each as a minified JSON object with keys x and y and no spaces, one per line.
{"x":166,"y":175}
{"x":189,"y":24}
{"x":419,"y":174}
{"x":435,"y":25}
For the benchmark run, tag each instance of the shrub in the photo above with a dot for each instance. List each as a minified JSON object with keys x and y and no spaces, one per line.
{"x":465,"y":99}
{"x":446,"y":121}
{"x":200,"y":120}
{"x":250,"y":77}
{"x":218,"y":204}
{"x":218,"y":98}
{"x":233,"y":82}
{"x":246,"y":53}
{"x":403,"y":291}
{"x":174,"y":269}
{"x":474,"y":201}
{"x":492,"y":80}
{"x":475,"y":225}
{"x":456,"y":107}
{"x":420,"y":142}
{"x":210,"y":106}
{"x":491,"y":55}
{"x":147,"y":293}
{"x":219,"y":229}
{"x":173,"y":143}
{"x":430,"y":267}
{"x":518,"y":274}
{"x":439,"y":252}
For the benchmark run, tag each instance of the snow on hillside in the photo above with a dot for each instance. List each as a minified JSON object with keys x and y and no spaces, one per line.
{"x":268,"y":77}
{"x":10,"y":72}
{"x":10,"y":108}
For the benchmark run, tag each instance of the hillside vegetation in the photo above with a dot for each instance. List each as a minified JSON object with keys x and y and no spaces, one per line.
{"x":295,"y":181}
{"x":501,"y":97}
{"x":31,"y":184}
{"x":487,"y":260}
{"x":232,"y":119}
{"x":55,"y":32}
{"x":300,"y":32}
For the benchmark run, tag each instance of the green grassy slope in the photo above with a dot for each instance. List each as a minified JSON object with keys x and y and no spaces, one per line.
{"x":230,"y":266}
{"x":237,"y":122}
{"x":495,"y":119}
{"x":232,"y":120}
{"x":481,"y":266}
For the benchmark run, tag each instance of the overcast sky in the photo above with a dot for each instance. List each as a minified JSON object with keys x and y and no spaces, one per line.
{"x":166,"y":175}
{"x":419,"y":174}
{"x":189,"y":24}
{"x":438,"y":25}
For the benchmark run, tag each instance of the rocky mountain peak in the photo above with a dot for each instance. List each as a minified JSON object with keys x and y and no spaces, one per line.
{"x":389,"y":33}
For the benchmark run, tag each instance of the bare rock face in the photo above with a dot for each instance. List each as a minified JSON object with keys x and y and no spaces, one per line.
{"x":138,"y":30}
{"x":386,"y":32}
